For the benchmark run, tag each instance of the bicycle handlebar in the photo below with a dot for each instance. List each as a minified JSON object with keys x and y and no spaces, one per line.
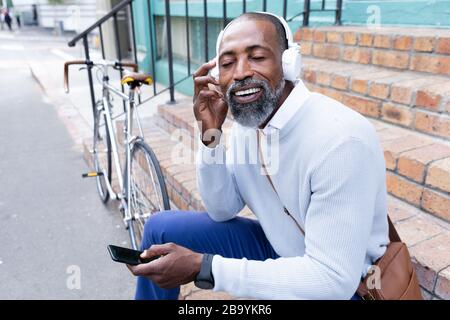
{"x":66,"y":72}
{"x":88,"y":63}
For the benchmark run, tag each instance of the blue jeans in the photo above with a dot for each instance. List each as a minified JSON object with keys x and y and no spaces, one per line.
{"x":236,"y":238}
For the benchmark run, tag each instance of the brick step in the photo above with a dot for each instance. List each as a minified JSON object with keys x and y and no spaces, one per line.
{"x":424,"y":50}
{"x":427,"y":236}
{"x":413,"y":100}
{"x":418,"y":166}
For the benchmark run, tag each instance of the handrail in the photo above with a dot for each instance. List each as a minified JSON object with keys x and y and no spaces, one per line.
{"x":113,"y":11}
{"x":307,"y":10}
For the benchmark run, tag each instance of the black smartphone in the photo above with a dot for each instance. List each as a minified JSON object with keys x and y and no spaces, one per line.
{"x":128,"y":256}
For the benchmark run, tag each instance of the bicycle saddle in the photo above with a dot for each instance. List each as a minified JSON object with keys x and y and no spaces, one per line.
{"x":135,"y":79}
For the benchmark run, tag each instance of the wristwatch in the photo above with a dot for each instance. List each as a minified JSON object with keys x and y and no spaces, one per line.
{"x":205,"y":279}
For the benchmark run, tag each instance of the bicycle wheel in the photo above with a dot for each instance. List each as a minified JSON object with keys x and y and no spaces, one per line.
{"x":102,"y":154}
{"x":148,"y":190}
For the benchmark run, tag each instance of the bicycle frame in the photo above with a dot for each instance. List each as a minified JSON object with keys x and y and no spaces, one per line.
{"x":129,"y":140}
{"x":130,"y":192}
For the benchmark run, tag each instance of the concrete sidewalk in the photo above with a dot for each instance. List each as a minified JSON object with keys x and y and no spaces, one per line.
{"x":54,"y":229}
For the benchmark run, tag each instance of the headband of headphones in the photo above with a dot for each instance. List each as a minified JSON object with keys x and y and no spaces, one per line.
{"x":288,"y":32}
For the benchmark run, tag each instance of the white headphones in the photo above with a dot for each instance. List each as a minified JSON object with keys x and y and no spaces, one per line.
{"x":291,"y":60}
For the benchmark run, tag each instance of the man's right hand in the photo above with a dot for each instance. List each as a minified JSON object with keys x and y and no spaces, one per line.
{"x":210,"y":107}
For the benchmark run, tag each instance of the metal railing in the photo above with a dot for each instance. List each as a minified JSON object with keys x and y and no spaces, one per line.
{"x":307,"y":9}
{"x":127,"y":6}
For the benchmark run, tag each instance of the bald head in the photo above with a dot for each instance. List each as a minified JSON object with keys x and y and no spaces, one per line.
{"x":279,"y":29}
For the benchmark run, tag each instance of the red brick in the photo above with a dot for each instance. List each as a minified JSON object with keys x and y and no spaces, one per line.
{"x":328,"y":51}
{"x":349,"y":38}
{"x":319,"y":36}
{"x":184,"y":177}
{"x":417,"y":229}
{"x":403,"y":91}
{"x":178,"y":200}
{"x":443,"y":46}
{"x":307,"y":34}
{"x":298,"y":35}
{"x":358,"y":55}
{"x":382,"y":41}
{"x":393,"y":148}
{"x":437,"y":203}
{"x":379,"y":90}
{"x":403,"y":43}
{"x":401,"y":94}
{"x":438,"y":175}
{"x":188,"y":188}
{"x":306,"y":48}
{"x":334,"y":94}
{"x":433,"y":123}
{"x":424,"y":44}
{"x":323,"y":78}
{"x":392,"y":59}
{"x":427,"y":100}
{"x":433,"y":256}
{"x":412,"y":164}
{"x":340,"y":82}
{"x":426,"y":277}
{"x":365,"y":39}
{"x":398,"y":114}
{"x":431,"y":63}
{"x":399,"y":210}
{"x":359,"y":86}
{"x":404,"y":189}
{"x":433,"y":96}
{"x":442,"y":289}
{"x":365,"y":106}
{"x":309,"y":75}
{"x":334,"y":37}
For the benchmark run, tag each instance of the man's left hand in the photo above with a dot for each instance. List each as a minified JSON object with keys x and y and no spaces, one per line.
{"x":177,"y":266}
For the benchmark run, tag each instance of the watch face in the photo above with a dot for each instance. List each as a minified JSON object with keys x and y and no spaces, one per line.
{"x":203,"y":284}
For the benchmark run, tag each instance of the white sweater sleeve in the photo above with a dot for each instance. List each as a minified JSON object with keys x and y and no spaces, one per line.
{"x":338,"y":222}
{"x":216,"y":183}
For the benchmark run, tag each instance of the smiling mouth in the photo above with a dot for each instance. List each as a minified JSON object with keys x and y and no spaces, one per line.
{"x":247,"y":95}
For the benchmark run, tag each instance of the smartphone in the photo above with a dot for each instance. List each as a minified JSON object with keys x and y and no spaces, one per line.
{"x":128,"y":256}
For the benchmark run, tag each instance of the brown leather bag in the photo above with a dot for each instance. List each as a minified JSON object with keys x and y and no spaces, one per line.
{"x":392,"y":277}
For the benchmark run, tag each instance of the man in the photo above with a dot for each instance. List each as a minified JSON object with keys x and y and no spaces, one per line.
{"x":321,"y":225}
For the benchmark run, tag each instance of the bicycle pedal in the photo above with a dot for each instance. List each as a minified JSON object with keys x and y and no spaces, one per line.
{"x":92,"y":174}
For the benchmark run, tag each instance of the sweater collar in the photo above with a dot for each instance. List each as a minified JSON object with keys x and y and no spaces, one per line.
{"x":288,"y":109}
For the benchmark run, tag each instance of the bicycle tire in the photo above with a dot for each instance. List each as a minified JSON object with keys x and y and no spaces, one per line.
{"x":102,"y":160}
{"x":144,"y":168}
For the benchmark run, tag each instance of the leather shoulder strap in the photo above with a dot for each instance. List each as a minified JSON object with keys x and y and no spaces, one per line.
{"x":393,"y":235}
{"x":263,"y":165}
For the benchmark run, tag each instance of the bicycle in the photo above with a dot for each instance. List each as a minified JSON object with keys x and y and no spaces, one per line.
{"x":141,"y":183}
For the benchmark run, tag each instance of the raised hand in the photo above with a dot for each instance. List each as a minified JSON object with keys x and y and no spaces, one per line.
{"x":210,"y":107}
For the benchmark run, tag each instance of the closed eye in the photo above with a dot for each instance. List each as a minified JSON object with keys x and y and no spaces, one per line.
{"x":226,"y":64}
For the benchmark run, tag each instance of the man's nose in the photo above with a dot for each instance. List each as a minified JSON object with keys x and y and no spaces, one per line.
{"x":243,"y":70}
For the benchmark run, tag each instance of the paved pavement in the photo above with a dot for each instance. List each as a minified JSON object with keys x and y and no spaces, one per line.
{"x":53,"y":228}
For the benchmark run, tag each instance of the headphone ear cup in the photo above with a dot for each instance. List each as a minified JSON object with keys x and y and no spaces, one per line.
{"x":292,"y":63}
{"x":215,"y":71}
